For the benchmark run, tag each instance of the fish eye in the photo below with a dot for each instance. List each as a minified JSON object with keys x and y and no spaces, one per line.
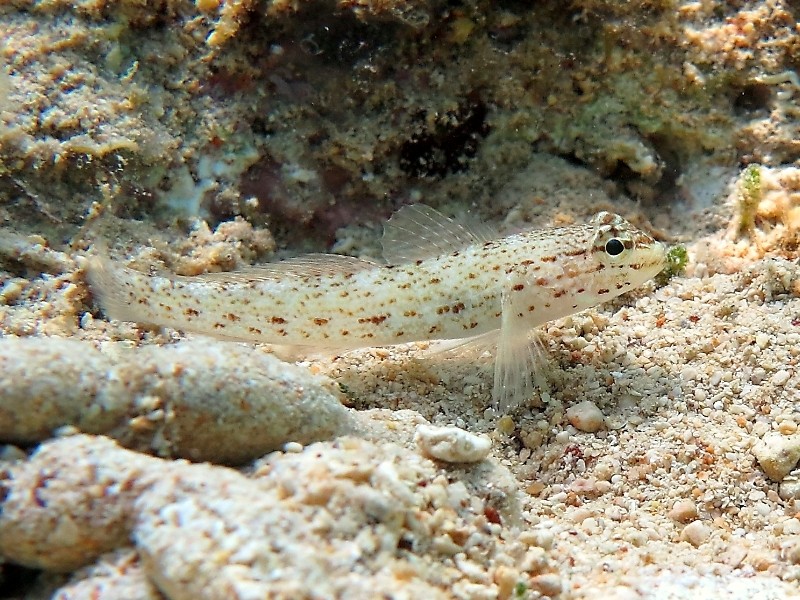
{"x":614,"y":247}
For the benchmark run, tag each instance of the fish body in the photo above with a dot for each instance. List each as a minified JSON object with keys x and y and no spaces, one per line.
{"x":442,"y":281}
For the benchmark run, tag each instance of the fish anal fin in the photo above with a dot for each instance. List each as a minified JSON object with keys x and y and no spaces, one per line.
{"x":418,"y":232}
{"x":475,"y":348}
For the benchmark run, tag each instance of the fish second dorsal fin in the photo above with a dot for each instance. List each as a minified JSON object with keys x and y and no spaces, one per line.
{"x":307,"y":265}
{"x":418,"y":232}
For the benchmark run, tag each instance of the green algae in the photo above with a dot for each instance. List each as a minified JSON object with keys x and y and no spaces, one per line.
{"x":677,"y":258}
{"x":748,"y":197}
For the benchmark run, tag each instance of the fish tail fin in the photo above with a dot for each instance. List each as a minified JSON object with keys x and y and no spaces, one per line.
{"x":108,"y":282}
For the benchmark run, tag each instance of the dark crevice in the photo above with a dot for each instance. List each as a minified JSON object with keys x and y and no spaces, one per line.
{"x":17,"y":581}
{"x":622,"y":174}
{"x":667,"y":152}
{"x":572,"y":159}
{"x":752,"y":97}
{"x":448,"y":145}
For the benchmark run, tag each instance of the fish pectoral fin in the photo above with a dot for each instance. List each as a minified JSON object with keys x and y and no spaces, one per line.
{"x":307,"y":265}
{"x":519,"y":352}
{"x":418,"y":232}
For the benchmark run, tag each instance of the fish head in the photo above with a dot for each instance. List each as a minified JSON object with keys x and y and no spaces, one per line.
{"x":622,"y":256}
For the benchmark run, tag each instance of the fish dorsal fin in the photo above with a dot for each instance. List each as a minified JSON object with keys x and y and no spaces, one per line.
{"x":418,"y":232}
{"x":307,"y":265}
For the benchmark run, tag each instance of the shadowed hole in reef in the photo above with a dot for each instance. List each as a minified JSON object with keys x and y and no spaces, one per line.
{"x":448,"y":144}
{"x":666,"y":149}
{"x":623,"y":175}
{"x":336,"y":38}
{"x":751,"y":97}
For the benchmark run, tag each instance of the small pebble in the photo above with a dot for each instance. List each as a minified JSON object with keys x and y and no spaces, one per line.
{"x":541,"y":538}
{"x":695,"y":533}
{"x":535,"y":488}
{"x":585,"y":416}
{"x":792,"y":551}
{"x":506,"y":579}
{"x":762,"y":340}
{"x":548,"y":584}
{"x":762,"y":509}
{"x":780,"y":377}
{"x":591,"y":525}
{"x":777,"y":454}
{"x":505,"y":425}
{"x":9,"y":453}
{"x":535,"y":560}
{"x":683,"y":511}
{"x":789,"y":488}
{"x":733,"y":555}
{"x":760,"y":559}
{"x":584,"y":486}
{"x":562,"y":437}
{"x":606,"y":468}
{"x":791,"y":527}
{"x":452,"y":444}
{"x":603,"y":487}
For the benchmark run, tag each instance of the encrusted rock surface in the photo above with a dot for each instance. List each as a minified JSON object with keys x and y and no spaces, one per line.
{"x":294,"y":527}
{"x":203,"y":400}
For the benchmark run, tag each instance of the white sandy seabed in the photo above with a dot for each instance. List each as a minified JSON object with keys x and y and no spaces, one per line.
{"x":659,"y":463}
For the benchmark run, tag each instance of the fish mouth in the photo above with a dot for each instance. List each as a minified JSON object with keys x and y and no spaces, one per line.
{"x":661,"y":250}
{"x":656,"y":257}
{"x":654,"y":253}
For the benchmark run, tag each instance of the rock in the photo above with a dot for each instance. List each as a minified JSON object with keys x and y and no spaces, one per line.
{"x":789,"y":489}
{"x":548,"y":584}
{"x":38,"y":398}
{"x":229,"y":403}
{"x":199,"y":399}
{"x":777,"y":454}
{"x":83,"y":509}
{"x":696,"y":533}
{"x":683,"y":511}
{"x":329,"y":518}
{"x":452,"y":444}
{"x":116,"y":575}
{"x":586,"y":416}
{"x":791,"y":550}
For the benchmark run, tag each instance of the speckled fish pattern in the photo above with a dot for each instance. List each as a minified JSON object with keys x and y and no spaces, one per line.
{"x":441,"y":281}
